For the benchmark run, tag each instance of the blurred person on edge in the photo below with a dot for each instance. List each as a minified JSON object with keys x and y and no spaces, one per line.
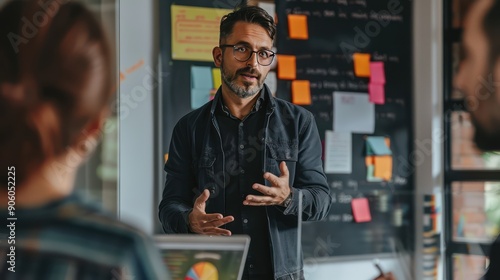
{"x":481,"y":59}
{"x":55,"y":89}
{"x":238,"y":164}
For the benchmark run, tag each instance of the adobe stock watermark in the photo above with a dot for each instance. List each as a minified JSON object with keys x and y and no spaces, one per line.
{"x":372,"y":28}
{"x":128,"y":102}
{"x":485,"y":89}
{"x":30,"y":27}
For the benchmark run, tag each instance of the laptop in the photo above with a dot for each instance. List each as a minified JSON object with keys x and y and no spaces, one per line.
{"x":202,"y":257}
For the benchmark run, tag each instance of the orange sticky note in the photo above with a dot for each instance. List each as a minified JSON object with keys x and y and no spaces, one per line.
{"x":361,"y":210}
{"x":383,"y":167}
{"x":297,"y":27}
{"x":369,"y":160}
{"x":287,"y":67}
{"x":362,"y":64}
{"x":301,"y":92}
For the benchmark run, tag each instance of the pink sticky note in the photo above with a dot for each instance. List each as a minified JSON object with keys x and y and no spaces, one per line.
{"x":377,"y":93}
{"x":377,"y":73}
{"x":361,"y":210}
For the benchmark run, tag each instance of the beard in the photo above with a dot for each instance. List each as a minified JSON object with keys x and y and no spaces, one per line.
{"x":486,"y":140}
{"x":247,"y":89}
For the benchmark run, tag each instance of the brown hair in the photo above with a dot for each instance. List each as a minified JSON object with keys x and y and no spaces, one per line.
{"x":55,"y":77}
{"x":249,"y":14}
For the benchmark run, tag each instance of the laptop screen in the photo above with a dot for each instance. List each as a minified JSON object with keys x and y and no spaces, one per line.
{"x":201,"y":257}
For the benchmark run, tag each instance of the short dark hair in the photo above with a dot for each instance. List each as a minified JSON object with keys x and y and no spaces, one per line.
{"x":491,"y":25}
{"x":249,"y":14}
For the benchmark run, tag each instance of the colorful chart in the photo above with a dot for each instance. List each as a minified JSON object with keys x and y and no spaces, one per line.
{"x":202,"y":271}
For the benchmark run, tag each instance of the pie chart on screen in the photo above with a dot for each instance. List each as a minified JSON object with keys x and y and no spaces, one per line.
{"x":202,"y":271}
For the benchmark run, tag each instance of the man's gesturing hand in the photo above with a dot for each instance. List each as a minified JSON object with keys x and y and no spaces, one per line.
{"x":203,"y":223}
{"x":274,"y":195}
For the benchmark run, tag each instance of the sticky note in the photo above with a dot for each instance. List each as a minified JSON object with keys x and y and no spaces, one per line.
{"x":376,"y":145}
{"x":362,"y":64}
{"x":377,"y":73}
{"x":352,"y":112}
{"x":199,"y":97}
{"x":361,"y":210}
{"x":383,"y":167}
{"x":287,"y":67}
{"x":216,"y":78}
{"x":297,"y":27}
{"x":377,"y":93}
{"x":201,"y":77}
{"x":369,"y":161}
{"x":301,"y":92}
{"x":369,"y":174}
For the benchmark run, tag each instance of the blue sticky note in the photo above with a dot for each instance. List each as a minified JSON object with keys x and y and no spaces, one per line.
{"x":370,"y":169}
{"x":376,"y":145}
{"x":199,"y":97}
{"x":201,"y":77}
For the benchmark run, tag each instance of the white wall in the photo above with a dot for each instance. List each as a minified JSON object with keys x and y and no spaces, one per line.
{"x":428,"y":108}
{"x":138,"y":94}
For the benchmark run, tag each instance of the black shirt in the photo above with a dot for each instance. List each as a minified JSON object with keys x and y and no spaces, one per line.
{"x":242,"y":144}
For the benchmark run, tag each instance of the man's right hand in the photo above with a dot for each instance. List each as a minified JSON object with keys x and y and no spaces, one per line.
{"x":208,"y":224}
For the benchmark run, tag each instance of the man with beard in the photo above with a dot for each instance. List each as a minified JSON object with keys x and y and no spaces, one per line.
{"x":240,"y":163}
{"x":481,"y":45}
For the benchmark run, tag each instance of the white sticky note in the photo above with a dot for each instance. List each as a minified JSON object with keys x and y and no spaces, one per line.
{"x":353,"y":112}
{"x":338,"y":152}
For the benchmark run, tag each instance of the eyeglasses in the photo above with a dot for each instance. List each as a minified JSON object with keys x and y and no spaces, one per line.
{"x":243,"y":53}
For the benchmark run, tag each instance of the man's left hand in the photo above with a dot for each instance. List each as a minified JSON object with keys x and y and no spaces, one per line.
{"x":273,"y":195}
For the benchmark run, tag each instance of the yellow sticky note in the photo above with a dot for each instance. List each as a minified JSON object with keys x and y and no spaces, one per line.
{"x":301,"y":92}
{"x":287,"y":67}
{"x":383,"y":167}
{"x":297,"y":27}
{"x":362,"y":64}
{"x":216,"y":78}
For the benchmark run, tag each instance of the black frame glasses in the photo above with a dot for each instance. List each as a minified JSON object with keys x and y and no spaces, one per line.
{"x":261,"y":54}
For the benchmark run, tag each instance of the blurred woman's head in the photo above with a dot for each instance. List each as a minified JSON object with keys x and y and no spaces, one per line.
{"x":55,"y":82}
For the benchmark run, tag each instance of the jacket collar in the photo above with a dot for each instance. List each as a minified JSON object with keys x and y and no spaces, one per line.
{"x":267,"y":95}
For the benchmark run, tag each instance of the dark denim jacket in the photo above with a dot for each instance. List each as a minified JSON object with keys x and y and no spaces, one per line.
{"x":196,"y":162}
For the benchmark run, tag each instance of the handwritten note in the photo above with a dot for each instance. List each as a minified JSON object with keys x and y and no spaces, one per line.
{"x":338,"y":152}
{"x":362,"y":64}
{"x":287,"y":67}
{"x":297,"y":27}
{"x":361,"y":210}
{"x":353,"y":113}
{"x":195,"y":31}
{"x":301,"y":92}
